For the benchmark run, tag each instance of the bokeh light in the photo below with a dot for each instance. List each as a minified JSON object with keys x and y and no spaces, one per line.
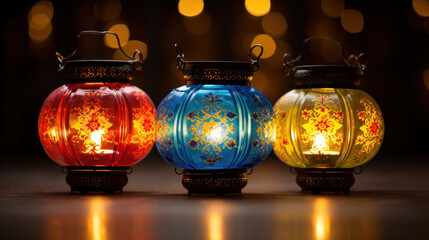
{"x":258,"y":8}
{"x":39,"y":21}
{"x":267,"y":43}
{"x":426,"y":78}
{"x":129,"y":49}
{"x":123,"y":33}
{"x":107,"y":10}
{"x":190,"y":8}
{"x":198,"y":25}
{"x":352,"y":20}
{"x":42,"y":7}
{"x":421,"y":7}
{"x":40,"y":35}
{"x":274,"y":24}
{"x":332,"y":8}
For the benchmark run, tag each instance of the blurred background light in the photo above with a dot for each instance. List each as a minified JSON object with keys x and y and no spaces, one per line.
{"x":352,"y":20}
{"x":267,"y":43}
{"x":129,"y":49}
{"x":123,"y":33}
{"x":332,"y":8}
{"x":258,"y":8}
{"x":107,"y":10}
{"x":190,"y":8}
{"x":331,"y":51}
{"x":421,"y":7}
{"x":39,"y":21}
{"x":199,"y":24}
{"x":274,"y":24}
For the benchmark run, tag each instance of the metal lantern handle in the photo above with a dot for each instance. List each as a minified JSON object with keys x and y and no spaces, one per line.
{"x":180,"y":57}
{"x":289,"y":63}
{"x":137,"y":62}
{"x":254,"y":61}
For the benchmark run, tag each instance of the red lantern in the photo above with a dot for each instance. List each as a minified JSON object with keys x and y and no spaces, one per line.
{"x":97,"y":124}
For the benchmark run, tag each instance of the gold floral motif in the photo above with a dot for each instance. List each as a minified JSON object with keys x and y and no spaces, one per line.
{"x":265,"y":130}
{"x":212,"y":129}
{"x":162,"y":127}
{"x":47,"y":128}
{"x":92,"y":125}
{"x":372,"y":133}
{"x":143,"y":123}
{"x":322,"y":124}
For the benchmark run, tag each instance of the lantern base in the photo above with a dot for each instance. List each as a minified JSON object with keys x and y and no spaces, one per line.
{"x":97,"y":179}
{"x":220,"y":181}
{"x":317,"y":180}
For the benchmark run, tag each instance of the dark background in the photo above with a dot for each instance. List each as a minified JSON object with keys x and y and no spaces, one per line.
{"x":394,"y":37}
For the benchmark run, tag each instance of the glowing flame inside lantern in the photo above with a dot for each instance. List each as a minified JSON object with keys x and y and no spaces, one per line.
{"x":319,"y":146}
{"x":96,"y":138}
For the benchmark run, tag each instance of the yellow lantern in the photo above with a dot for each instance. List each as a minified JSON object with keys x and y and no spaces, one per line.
{"x":326,"y":127}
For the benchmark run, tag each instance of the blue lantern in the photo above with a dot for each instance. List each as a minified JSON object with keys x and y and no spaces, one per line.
{"x":215,"y":127}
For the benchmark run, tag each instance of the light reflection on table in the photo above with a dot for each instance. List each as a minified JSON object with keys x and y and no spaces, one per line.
{"x":271,"y":207}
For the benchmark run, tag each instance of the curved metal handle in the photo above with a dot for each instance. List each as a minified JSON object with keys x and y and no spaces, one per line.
{"x":180,"y":57}
{"x":137,"y":62}
{"x":289,"y":62}
{"x":254,"y":62}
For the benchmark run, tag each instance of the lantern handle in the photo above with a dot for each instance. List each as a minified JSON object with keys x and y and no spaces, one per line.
{"x":254,"y":62}
{"x":136,"y":62}
{"x":289,"y":63}
{"x":180,"y":57}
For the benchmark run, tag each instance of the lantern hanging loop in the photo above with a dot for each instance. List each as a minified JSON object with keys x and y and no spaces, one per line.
{"x":180,"y":57}
{"x":136,"y":62}
{"x":253,"y":61}
{"x":289,"y":63}
{"x":249,"y":172}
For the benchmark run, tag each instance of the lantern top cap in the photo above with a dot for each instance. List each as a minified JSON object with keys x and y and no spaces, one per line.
{"x":218,"y":72}
{"x":320,"y":76}
{"x":99,"y":70}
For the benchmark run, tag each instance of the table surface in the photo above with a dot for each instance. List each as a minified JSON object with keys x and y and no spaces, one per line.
{"x":388,"y":201}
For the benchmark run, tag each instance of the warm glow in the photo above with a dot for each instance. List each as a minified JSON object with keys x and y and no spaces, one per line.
{"x":421,"y":7}
{"x":96,"y":223}
{"x":258,"y":8}
{"x":107,"y":10}
{"x":129,"y":48}
{"x":332,"y":8}
{"x":274,"y":24}
{"x":215,"y":133}
{"x":321,"y":219}
{"x":352,"y":20}
{"x":123,"y":33}
{"x":39,"y":36}
{"x":319,"y":146}
{"x":426,"y":78}
{"x":39,"y":21}
{"x":190,"y":8}
{"x":267,"y":43}
{"x":42,"y":7}
{"x":214,"y":215}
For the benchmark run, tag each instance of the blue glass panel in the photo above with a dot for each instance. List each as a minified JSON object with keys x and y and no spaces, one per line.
{"x":215,"y":127}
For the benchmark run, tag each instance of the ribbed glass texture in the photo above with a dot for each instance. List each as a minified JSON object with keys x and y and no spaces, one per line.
{"x":203,"y":127}
{"x":327,"y":128}
{"x":97,"y":124}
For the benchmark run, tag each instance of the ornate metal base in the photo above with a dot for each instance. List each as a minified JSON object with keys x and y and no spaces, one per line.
{"x":218,"y":181}
{"x":318,"y":180}
{"x":97,"y":179}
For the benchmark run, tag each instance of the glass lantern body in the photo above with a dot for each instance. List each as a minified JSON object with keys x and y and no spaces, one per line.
{"x":327,"y":128}
{"x":97,"y":124}
{"x":213,"y":126}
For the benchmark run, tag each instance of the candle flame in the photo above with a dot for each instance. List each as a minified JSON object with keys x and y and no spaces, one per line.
{"x":319,"y":146}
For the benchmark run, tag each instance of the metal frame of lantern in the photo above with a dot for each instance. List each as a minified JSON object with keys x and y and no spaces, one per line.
{"x":206,"y":129}
{"x":97,"y":125}
{"x":325,"y":126}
